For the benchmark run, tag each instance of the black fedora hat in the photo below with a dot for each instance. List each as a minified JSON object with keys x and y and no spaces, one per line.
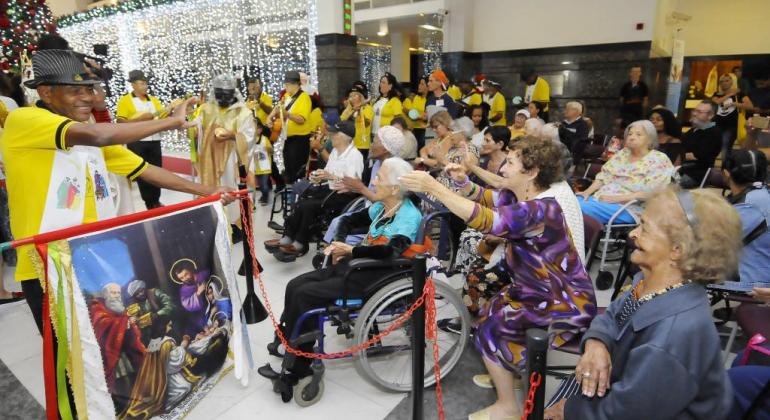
{"x":135,"y":75}
{"x":58,"y":67}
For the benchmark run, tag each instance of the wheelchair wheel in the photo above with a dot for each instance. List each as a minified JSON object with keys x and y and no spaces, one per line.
{"x":442,"y":248}
{"x":307,"y":393}
{"x":388,"y":364}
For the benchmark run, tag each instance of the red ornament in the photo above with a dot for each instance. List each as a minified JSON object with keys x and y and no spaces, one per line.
{"x":31,"y":12}
{"x":5,"y":23}
{"x":5,"y":65}
{"x":31,"y":47}
{"x":6,"y":42}
{"x":19,"y":29}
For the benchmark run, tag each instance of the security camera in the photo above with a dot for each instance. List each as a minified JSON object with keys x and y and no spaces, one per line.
{"x":444,"y":12}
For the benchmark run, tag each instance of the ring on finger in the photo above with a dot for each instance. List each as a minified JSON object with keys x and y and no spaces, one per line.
{"x":586,"y":374}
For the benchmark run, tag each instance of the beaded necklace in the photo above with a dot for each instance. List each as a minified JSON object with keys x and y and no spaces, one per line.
{"x":633,"y":302}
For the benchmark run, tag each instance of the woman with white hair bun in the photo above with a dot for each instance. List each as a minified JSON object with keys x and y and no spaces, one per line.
{"x":392,"y":220}
{"x":632,"y":173}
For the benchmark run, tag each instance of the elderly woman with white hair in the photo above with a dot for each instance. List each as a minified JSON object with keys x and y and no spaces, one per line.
{"x":655,"y":353}
{"x":393,"y":222}
{"x":632,"y":173}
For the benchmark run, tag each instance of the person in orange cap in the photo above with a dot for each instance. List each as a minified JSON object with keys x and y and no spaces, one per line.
{"x":437,"y":85}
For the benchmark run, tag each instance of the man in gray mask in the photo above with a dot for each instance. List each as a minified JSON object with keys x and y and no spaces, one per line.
{"x":228,"y":132}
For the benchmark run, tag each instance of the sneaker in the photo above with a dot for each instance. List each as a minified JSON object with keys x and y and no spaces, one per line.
{"x":275,"y":226}
{"x":453,"y":326}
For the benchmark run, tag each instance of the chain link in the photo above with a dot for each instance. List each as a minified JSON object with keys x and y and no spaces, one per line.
{"x":428,"y":298}
{"x":429,"y":288}
{"x":534,"y":382}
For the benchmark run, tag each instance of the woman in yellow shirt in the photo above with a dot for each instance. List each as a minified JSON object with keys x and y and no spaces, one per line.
{"x":388,"y":105}
{"x":496,"y":102}
{"x":362,"y":114}
{"x":414,"y":108}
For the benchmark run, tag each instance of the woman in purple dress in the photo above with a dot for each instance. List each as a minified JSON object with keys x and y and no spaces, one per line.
{"x":550,"y":288}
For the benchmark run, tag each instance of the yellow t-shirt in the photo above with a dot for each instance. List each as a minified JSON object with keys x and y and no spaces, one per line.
{"x":127,"y":109}
{"x":392,"y":109}
{"x":363,"y":123}
{"x":498,"y":107}
{"x":417,"y":103}
{"x":261,"y":114}
{"x":28,"y":145}
{"x":454,"y":92}
{"x":474,"y":99}
{"x":302,"y":107}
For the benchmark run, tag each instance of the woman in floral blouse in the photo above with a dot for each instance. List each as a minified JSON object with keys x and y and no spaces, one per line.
{"x":550,"y":288}
{"x":631,"y":174}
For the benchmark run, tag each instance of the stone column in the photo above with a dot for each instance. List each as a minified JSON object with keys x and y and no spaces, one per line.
{"x":338,"y":66}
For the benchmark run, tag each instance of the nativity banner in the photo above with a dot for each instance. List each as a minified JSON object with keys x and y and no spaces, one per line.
{"x":147,"y":315}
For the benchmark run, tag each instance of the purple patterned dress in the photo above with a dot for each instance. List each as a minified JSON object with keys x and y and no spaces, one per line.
{"x":550,"y":287}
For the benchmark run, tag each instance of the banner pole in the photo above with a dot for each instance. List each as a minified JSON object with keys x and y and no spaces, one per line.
{"x":115,"y":221}
{"x":418,"y":338}
{"x":253,"y":309}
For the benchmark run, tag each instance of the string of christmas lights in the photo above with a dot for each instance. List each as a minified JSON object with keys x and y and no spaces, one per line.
{"x":183,"y":45}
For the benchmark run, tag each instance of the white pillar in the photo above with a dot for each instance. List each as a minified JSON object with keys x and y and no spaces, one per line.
{"x":399,"y":55}
{"x":330,"y":16}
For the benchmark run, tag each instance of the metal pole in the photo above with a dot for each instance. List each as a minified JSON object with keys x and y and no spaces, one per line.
{"x":253,"y":309}
{"x":537,"y":349}
{"x":418,"y":338}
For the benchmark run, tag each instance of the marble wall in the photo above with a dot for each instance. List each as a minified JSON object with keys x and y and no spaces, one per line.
{"x":338,"y":66}
{"x":592,"y":74}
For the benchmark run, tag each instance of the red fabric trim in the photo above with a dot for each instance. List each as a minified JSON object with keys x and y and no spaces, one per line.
{"x":49,"y":363}
{"x":117,"y":221}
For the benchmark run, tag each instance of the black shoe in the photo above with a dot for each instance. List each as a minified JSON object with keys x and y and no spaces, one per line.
{"x":450,"y":325}
{"x":272,"y":348}
{"x":284,"y":257}
{"x":275,"y":226}
{"x":267,"y":372}
{"x":723,"y":314}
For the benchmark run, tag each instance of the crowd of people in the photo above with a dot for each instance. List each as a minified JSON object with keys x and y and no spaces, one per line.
{"x":503,"y":173}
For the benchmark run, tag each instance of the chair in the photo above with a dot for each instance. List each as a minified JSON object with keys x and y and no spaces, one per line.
{"x":750,"y":317}
{"x":386,"y":364}
{"x":714,"y":179}
{"x":604,"y":278}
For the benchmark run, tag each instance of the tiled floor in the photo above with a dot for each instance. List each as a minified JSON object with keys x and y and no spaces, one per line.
{"x":346,"y":395}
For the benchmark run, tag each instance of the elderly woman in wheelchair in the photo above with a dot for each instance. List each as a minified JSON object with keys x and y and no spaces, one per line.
{"x":393,"y":221}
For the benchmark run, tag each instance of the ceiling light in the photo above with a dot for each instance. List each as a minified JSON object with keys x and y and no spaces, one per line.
{"x":566,"y":62}
{"x":383,"y":28}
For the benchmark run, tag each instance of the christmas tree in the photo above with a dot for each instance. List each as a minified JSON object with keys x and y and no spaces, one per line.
{"x":22,"y":22}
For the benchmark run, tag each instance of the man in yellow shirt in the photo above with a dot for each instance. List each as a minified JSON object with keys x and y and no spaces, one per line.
{"x":294,"y":110}
{"x":56,"y":163}
{"x":140,"y":106}
{"x":258,"y":101}
{"x":362,"y":114}
{"x":469,"y":96}
{"x":538,"y":90}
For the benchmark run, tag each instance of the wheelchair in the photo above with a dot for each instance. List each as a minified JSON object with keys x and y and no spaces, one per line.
{"x":386,"y":364}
